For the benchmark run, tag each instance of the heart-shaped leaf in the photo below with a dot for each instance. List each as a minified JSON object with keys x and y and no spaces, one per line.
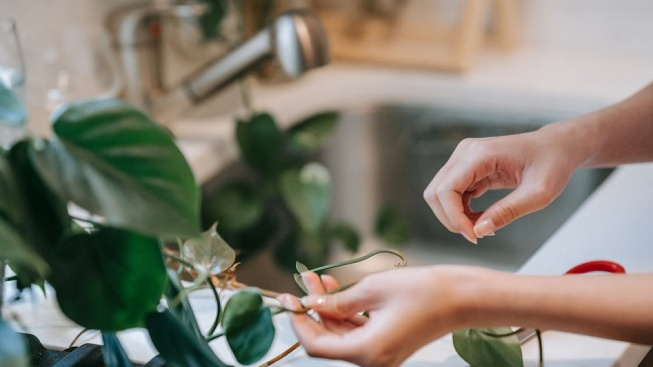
{"x":13,"y":351}
{"x":308,"y":195}
{"x":248,"y":326}
{"x":177,"y":344}
{"x":311,"y":133}
{"x":208,"y":253}
{"x":260,"y":142}
{"x":109,"y":279}
{"x":479,"y":348}
{"x":115,"y":162}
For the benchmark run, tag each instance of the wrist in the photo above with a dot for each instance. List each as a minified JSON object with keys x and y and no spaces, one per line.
{"x":473,"y":294}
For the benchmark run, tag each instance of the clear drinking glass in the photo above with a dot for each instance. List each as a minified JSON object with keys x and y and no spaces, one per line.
{"x":13,"y":113}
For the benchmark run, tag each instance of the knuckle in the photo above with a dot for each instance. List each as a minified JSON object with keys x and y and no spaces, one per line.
{"x":504,"y":215}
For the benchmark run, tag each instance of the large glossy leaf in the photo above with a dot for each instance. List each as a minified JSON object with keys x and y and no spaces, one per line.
{"x":13,"y":351}
{"x":311,"y":133}
{"x":12,"y":111}
{"x":109,"y":279}
{"x":308,"y":195}
{"x":235,"y":206}
{"x":33,"y":216}
{"x":114,"y":161}
{"x":260,"y":142}
{"x":113,"y":353}
{"x":177,"y":344}
{"x":479,"y":349}
{"x":248,"y":326}
{"x":14,"y":249}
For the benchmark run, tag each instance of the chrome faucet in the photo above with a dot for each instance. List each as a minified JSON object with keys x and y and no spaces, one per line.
{"x":295,"y":39}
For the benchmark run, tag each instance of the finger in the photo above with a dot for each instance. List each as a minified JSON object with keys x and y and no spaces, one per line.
{"x":316,"y":338}
{"x":452,"y":204}
{"x":331,"y":285}
{"x":313,"y":283}
{"x":518,"y":203}
{"x":341,"y":305}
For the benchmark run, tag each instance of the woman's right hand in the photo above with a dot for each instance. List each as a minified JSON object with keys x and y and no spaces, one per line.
{"x":537,"y":165}
{"x":407,"y":309}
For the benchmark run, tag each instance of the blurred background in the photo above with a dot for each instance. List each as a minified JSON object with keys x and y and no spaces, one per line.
{"x":409,"y":78}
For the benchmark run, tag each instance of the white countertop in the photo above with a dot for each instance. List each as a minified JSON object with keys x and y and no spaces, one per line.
{"x":613,"y":224}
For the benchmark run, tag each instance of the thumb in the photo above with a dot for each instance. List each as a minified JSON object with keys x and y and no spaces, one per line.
{"x":338,"y":305}
{"x":515,"y":205}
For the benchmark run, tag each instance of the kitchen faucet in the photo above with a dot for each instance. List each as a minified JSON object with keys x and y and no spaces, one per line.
{"x":296,"y":40}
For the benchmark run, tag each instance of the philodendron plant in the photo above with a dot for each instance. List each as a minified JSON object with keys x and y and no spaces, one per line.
{"x":88,"y":211}
{"x":283,"y":198}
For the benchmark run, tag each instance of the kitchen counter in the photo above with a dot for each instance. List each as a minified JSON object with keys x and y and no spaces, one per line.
{"x":613,"y":224}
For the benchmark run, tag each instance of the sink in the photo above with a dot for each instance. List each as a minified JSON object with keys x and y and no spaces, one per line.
{"x":387,"y":154}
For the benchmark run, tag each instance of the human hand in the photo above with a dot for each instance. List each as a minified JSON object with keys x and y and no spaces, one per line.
{"x":405,"y":313}
{"x":537,"y":165}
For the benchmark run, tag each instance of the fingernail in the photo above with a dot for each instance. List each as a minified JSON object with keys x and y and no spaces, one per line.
{"x":283,"y":299}
{"x":469,"y":238}
{"x":484,"y":228}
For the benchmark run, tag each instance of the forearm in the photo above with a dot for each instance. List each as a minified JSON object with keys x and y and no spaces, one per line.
{"x":614,"y":135}
{"x":610,"y":306}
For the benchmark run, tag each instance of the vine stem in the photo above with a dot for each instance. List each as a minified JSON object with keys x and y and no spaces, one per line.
{"x":404,"y":261}
{"x":281,"y":355}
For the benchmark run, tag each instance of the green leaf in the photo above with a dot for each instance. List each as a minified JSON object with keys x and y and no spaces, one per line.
{"x":311,"y":133}
{"x":248,"y":326}
{"x":115,"y":162}
{"x":109,"y":279}
{"x":32,"y":214}
{"x":14,"y":249}
{"x":13,"y":351}
{"x":182,"y":310}
{"x":236,"y":206}
{"x":298,"y":277}
{"x":479,"y":349}
{"x":346,"y":235}
{"x":113,"y":353}
{"x":260,"y":142}
{"x":12,"y":110}
{"x":209,"y":21}
{"x":391,"y":226}
{"x":308,"y":195}
{"x":177,"y":344}
{"x":208,"y":253}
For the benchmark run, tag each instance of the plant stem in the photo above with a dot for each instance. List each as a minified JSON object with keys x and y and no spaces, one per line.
{"x":218,"y":313}
{"x":281,"y":355}
{"x":539,"y":344}
{"x":213,"y":337}
{"x":403,"y":262}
